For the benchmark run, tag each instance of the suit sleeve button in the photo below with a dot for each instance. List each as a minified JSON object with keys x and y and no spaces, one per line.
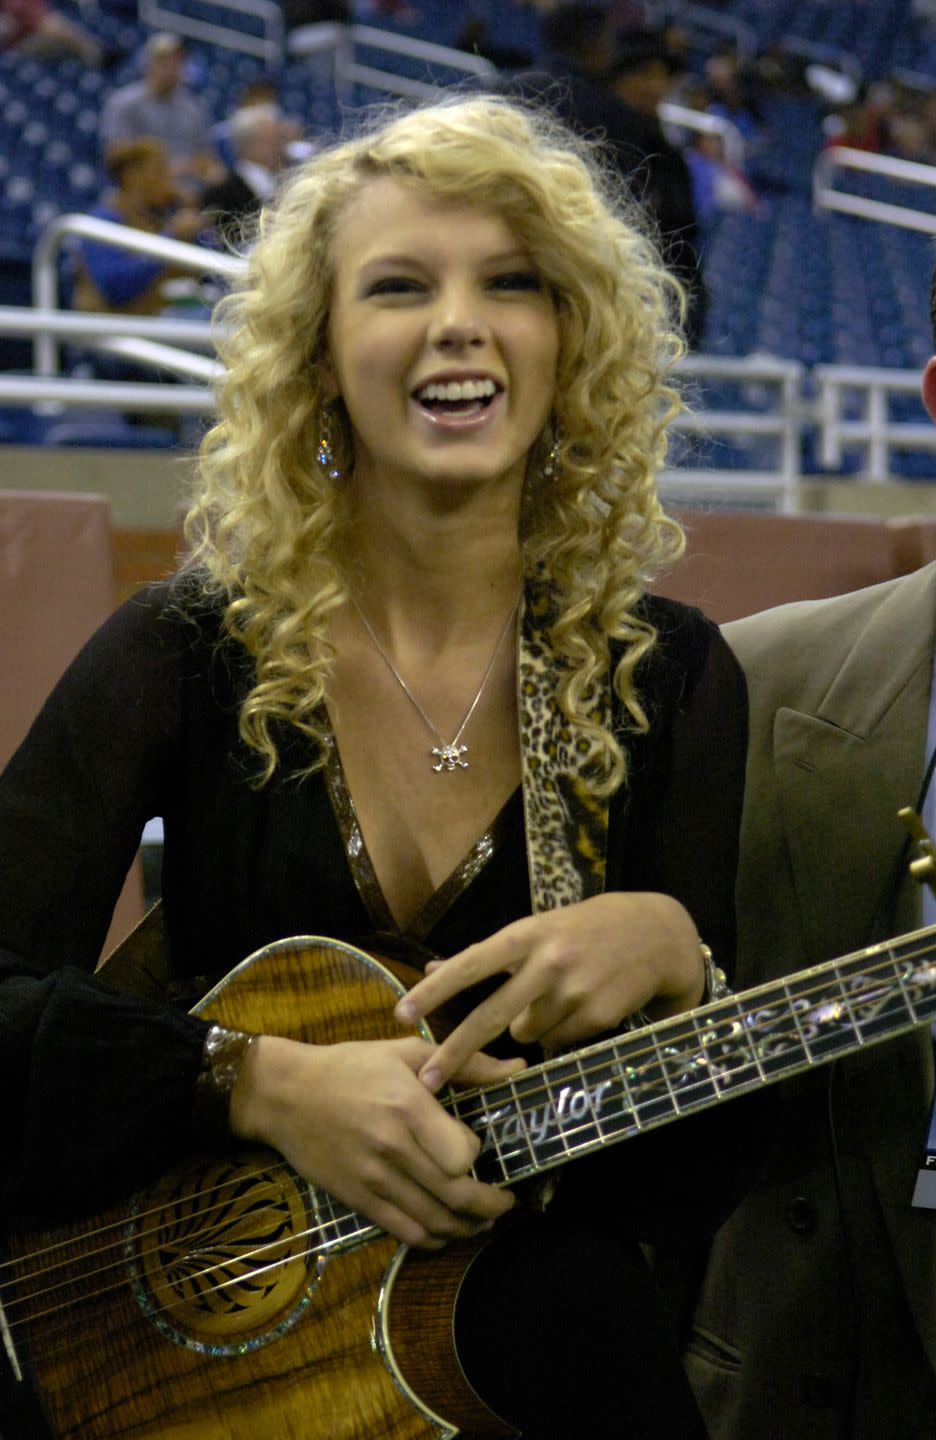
{"x":801,"y":1215}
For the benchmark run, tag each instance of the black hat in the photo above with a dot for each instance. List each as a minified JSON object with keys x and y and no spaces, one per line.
{"x":640,"y":47}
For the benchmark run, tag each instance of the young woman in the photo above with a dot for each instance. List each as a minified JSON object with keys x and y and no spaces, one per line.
{"x":410,"y":680}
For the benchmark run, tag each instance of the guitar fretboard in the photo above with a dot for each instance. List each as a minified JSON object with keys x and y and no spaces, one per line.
{"x":612,"y":1090}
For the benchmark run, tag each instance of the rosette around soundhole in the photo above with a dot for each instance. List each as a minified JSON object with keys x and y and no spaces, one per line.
{"x":221,"y":1252}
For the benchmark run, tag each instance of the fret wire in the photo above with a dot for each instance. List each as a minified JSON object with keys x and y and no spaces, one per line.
{"x":898,"y":971}
{"x":847,"y":999}
{"x":486,"y":1132}
{"x":590,"y":1088}
{"x":630,"y":1105}
{"x":796,"y":1022}
{"x":522,"y":1129}
{"x":666,"y":1078}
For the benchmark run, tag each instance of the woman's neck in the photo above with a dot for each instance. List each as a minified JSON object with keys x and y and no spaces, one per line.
{"x":452,"y":570}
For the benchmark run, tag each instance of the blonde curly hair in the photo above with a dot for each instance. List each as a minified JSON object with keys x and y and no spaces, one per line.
{"x":268,"y":529}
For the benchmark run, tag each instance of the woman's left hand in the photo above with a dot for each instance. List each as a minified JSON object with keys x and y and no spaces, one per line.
{"x":572,"y":973}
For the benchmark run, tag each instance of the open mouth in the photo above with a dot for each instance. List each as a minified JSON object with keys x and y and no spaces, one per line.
{"x":457,"y":398}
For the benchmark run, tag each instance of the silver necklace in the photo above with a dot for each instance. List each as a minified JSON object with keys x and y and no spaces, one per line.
{"x":447,"y":753}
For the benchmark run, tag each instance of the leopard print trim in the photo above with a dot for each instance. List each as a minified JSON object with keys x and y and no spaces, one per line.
{"x":566,"y":823}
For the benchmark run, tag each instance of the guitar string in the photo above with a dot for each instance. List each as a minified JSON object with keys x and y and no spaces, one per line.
{"x":691,"y":1034}
{"x":855,"y":998}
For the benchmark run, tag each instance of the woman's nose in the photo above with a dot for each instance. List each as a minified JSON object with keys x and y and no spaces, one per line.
{"x":457,"y":320}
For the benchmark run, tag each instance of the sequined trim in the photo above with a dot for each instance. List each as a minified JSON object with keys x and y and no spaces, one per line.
{"x":365,"y":876}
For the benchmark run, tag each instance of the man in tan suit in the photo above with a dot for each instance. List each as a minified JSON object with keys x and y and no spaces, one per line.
{"x":817,"y":1313}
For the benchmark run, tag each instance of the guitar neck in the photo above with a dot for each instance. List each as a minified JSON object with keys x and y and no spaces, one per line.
{"x":618,"y":1088}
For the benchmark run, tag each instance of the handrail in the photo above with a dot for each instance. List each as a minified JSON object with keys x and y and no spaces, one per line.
{"x":785,"y":424}
{"x":703,"y":18}
{"x":106,"y":394}
{"x":163,"y":357}
{"x":348,"y":72}
{"x":45,"y":287}
{"x":875,"y":433}
{"x":684,"y":117}
{"x":269,"y":48}
{"x":90,"y":325}
{"x":788,"y":422}
{"x":826,"y":197}
{"x":824,"y":54}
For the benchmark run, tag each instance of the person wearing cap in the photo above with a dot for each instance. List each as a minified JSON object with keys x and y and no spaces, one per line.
{"x":162,"y":106}
{"x":609,"y":88}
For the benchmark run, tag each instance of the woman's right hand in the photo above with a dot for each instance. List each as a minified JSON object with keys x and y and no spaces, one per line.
{"x":353,"y":1119}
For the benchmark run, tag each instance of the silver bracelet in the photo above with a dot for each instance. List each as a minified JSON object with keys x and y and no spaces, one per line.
{"x":716,"y":981}
{"x":223,"y":1057}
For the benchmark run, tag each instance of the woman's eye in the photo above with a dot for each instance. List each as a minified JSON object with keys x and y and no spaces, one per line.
{"x":517,"y":280}
{"x":394,"y":285}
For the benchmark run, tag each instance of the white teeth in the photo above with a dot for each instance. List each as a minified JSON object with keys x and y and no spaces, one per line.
{"x":459,"y":390}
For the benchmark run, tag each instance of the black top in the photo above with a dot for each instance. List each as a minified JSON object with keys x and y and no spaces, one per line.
{"x":98,"y":1086}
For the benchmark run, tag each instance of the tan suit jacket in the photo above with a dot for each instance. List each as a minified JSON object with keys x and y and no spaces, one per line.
{"x":817,"y":1314}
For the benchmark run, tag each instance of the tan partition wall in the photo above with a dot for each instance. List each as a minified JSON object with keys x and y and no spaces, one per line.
{"x":56,"y":587}
{"x":738,"y":562}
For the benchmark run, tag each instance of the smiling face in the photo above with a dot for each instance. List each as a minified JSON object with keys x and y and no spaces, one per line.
{"x":443,"y":340}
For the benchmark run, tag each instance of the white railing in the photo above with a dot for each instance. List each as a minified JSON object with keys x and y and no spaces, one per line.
{"x":777,"y":409}
{"x":842,"y":157}
{"x":349,"y":71}
{"x":700,"y":17}
{"x":45,"y":278}
{"x":268,"y":45}
{"x":821,"y":54}
{"x":874,"y":434}
{"x":682,"y":117}
{"x":784,"y":424}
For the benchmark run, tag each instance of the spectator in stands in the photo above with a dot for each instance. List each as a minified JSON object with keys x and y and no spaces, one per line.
{"x":162,"y":106}
{"x":144,"y":197}
{"x":32,"y":27}
{"x":734,"y":94}
{"x":717,"y":185}
{"x":258,"y":140}
{"x":642,"y":76}
{"x":818,"y":1309}
{"x":599,"y":94}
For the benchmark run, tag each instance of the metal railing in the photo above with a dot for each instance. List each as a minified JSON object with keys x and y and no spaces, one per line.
{"x":349,"y":71}
{"x":268,"y":45}
{"x":779,"y":380}
{"x":875,"y":434}
{"x":675,"y":117}
{"x":196,"y":259}
{"x":842,"y":157}
{"x":702,"y":18}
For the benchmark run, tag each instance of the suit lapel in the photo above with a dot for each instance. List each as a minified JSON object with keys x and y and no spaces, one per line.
{"x":866,"y":742}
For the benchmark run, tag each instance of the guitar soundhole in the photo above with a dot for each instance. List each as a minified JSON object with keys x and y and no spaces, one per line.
{"x":220,"y":1252}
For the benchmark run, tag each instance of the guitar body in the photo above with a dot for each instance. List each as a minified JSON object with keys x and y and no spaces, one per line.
{"x":128,"y":1331}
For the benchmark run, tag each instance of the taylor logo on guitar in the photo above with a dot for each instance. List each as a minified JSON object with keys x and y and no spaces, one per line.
{"x":233,"y":1301}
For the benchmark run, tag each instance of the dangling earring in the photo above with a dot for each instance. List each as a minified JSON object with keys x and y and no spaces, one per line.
{"x":551,"y":463}
{"x":324,"y":454}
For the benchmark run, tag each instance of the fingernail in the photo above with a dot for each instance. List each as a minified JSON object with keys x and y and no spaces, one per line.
{"x":406,"y":1011}
{"x":431,"y":1079}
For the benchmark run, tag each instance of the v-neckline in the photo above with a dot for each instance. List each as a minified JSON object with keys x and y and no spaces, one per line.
{"x":365,"y":875}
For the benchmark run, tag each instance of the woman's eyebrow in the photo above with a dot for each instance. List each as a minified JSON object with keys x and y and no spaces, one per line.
{"x":500,"y":258}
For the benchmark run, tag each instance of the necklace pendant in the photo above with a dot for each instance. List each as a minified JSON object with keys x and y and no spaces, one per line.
{"x":450,"y":757}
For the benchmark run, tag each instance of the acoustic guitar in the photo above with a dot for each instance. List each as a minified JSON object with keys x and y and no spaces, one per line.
{"x":230,"y":1300}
